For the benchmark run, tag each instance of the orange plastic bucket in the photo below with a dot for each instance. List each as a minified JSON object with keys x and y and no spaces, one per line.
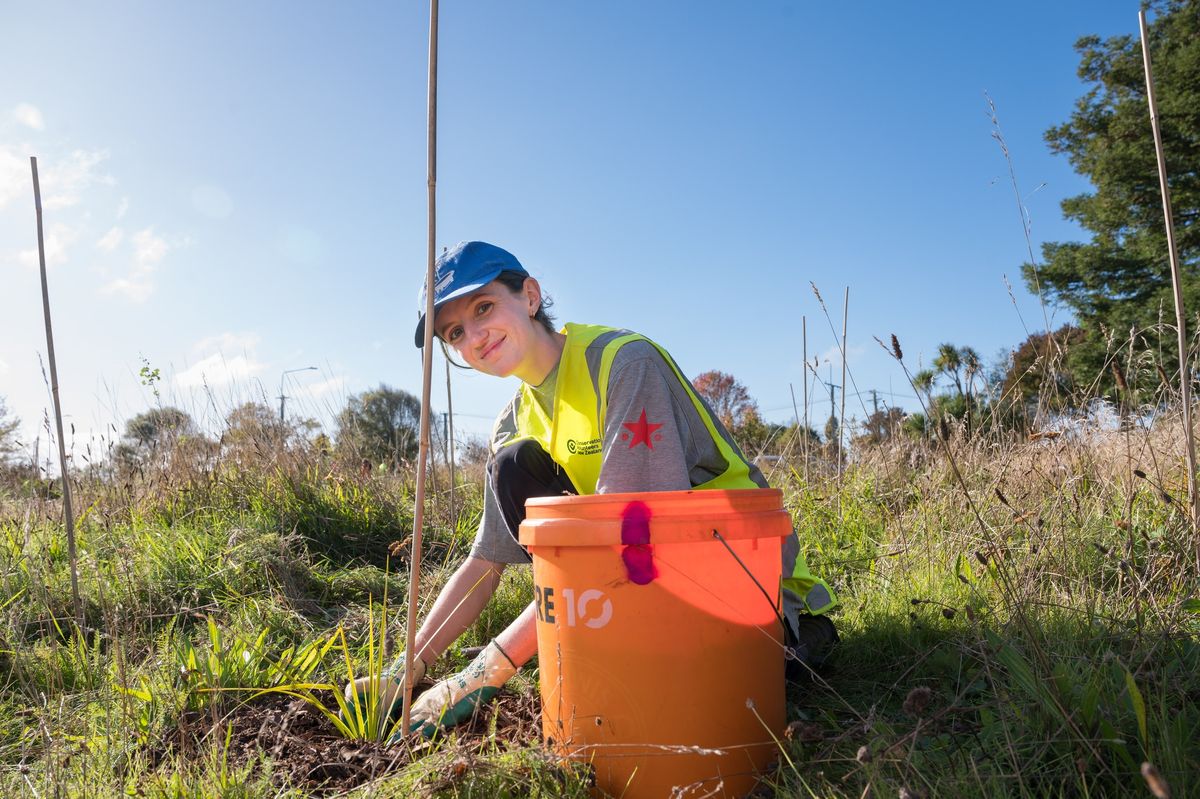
{"x":660,"y":658}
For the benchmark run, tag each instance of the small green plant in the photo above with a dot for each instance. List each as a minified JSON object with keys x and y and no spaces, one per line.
{"x":233,"y":663}
{"x":149,"y":376}
{"x":359,"y":718}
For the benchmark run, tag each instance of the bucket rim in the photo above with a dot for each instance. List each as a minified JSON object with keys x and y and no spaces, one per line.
{"x":736,"y":496}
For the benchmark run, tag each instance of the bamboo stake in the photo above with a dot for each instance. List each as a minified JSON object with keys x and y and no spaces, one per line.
{"x":804,"y":374}
{"x":414,"y":576}
{"x":1185,"y":371}
{"x":68,"y":515}
{"x":450,"y":445}
{"x":842,"y":407}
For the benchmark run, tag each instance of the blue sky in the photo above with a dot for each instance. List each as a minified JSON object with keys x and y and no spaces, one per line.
{"x":233,"y":190}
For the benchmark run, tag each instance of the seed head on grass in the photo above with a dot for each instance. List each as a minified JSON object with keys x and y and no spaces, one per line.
{"x":1119,"y":377}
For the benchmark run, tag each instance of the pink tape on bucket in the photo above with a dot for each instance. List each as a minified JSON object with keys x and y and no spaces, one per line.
{"x":637,"y":554}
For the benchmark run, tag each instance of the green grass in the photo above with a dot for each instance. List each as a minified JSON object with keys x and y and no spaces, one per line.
{"x":1045,"y":648}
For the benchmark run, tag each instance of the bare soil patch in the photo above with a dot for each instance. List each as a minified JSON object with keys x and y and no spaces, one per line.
{"x":308,"y":753}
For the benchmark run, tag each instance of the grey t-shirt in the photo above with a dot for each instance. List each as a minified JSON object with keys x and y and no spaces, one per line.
{"x":654,"y":440}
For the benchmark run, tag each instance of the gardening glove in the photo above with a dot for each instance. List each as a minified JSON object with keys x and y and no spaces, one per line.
{"x":389,"y":691}
{"x":455,"y":699}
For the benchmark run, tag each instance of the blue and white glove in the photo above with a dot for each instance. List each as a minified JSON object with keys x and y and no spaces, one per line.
{"x":455,"y":699}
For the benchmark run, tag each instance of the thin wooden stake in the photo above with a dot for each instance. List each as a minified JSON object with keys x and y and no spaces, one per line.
{"x":842,"y":406}
{"x":804,"y":335}
{"x":68,"y":515}
{"x":450,"y":445}
{"x":414,"y":576}
{"x":1185,"y":361}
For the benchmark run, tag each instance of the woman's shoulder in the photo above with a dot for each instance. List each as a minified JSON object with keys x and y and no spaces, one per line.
{"x":504,"y":429}
{"x":640,"y":349}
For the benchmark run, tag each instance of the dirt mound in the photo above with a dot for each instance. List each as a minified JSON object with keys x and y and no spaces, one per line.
{"x":308,"y":753}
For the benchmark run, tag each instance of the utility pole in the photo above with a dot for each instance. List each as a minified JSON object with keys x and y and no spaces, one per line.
{"x":833,"y":417}
{"x":282,"y":396}
{"x":832,"y":403}
{"x":875,"y":400}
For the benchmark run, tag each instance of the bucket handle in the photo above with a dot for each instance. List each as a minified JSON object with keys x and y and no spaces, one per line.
{"x":783,"y":624}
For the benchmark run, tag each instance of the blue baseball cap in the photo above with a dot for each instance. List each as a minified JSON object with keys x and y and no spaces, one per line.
{"x":467,"y":266}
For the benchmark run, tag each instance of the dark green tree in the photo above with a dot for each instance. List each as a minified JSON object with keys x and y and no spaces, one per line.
{"x":1120,"y":279}
{"x":381,"y":425}
{"x":158,"y":426}
{"x":156,"y":436}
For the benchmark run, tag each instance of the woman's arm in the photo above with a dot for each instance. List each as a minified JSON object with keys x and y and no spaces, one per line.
{"x":458,"y":605}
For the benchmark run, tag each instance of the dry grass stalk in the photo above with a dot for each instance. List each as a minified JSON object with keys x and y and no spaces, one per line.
{"x":1185,"y":378}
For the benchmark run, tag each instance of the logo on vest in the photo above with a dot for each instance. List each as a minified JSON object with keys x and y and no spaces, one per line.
{"x":590,"y":447}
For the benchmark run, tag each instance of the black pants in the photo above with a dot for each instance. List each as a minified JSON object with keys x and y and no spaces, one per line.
{"x":521,"y":471}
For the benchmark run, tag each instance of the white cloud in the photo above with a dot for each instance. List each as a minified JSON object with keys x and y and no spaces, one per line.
{"x":4,"y":367}
{"x":134,"y":289}
{"x":64,"y":181}
{"x":227,"y":342}
{"x":123,"y":208}
{"x":216,"y":370}
{"x":149,"y":249}
{"x":111,"y":240}
{"x":334,"y":385}
{"x":14,"y":175}
{"x":56,"y":241}
{"x":29,"y":116}
{"x":834,"y":355}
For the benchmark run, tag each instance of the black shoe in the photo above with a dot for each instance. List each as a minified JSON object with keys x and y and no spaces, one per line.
{"x":808,"y":647}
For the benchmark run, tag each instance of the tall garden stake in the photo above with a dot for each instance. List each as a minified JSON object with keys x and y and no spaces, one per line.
{"x":450,"y":446}
{"x":414,"y":575}
{"x":842,"y":409}
{"x":68,"y":516}
{"x":1185,"y":361}
{"x":804,"y":374}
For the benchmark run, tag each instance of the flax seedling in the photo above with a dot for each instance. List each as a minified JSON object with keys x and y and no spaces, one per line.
{"x":358,"y":717}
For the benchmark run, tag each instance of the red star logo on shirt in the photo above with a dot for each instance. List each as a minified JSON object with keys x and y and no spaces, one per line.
{"x":641,"y":430}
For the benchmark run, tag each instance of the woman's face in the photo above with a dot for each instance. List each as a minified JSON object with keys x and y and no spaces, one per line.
{"x":492,"y":329}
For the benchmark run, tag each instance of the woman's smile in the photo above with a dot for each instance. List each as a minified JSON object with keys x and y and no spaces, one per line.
{"x":491,"y":346}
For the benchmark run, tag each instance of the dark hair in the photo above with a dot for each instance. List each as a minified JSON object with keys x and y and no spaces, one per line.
{"x":514,"y":282}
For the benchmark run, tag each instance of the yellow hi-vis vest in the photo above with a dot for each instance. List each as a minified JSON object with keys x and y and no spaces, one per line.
{"x":573,"y":434}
